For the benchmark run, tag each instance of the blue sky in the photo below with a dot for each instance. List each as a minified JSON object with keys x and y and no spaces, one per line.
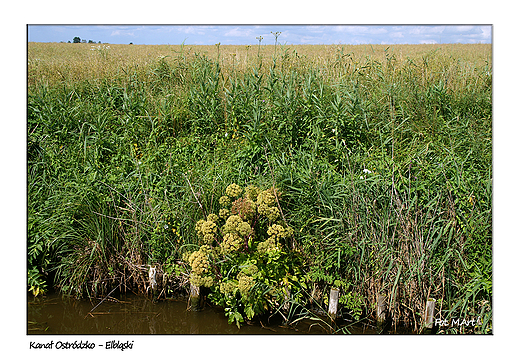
{"x":247,"y":34}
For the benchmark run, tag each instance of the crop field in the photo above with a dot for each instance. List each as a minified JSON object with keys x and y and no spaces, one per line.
{"x":265,"y":175}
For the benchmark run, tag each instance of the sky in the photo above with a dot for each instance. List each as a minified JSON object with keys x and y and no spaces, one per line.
{"x":248,"y":34}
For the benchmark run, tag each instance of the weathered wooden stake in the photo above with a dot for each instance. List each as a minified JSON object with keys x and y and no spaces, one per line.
{"x":151,"y":277}
{"x":381,"y":311}
{"x":333,"y":302}
{"x":194,"y":298}
{"x":287,"y":305}
{"x":153,"y":283}
{"x":429,"y":313}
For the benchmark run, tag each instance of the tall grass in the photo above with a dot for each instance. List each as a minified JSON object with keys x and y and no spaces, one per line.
{"x":383,"y":154}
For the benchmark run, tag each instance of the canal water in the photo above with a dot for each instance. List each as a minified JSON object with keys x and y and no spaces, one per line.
{"x":131,"y":314}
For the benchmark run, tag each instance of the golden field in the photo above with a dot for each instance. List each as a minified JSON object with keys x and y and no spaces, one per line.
{"x":54,"y":62}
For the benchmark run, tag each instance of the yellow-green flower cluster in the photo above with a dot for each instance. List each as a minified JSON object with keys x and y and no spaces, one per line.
{"x":207,"y":230}
{"x":234,"y":224}
{"x":198,"y":280}
{"x":224,"y":200}
{"x":224,"y":213}
{"x":198,"y":260}
{"x":232,"y":228}
{"x":250,"y":269}
{"x":266,"y":198}
{"x":198,"y":227}
{"x":212,"y":217}
{"x":265,"y":202}
{"x":231,"y":243}
{"x":233,"y":190}
{"x":269,"y":245}
{"x":252,"y":192}
{"x":245,"y":283}
{"x":228,"y":287}
{"x":276,"y":232}
{"x":199,"y":263}
{"x":272,"y":213}
{"x":279,"y":232}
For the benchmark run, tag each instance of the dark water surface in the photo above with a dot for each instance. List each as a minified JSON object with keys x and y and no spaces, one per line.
{"x":55,"y":314}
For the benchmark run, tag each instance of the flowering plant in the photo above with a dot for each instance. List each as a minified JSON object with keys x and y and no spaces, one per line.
{"x":244,"y":257}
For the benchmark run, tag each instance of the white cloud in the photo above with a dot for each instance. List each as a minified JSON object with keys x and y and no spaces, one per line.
{"x":350,"y":29}
{"x":377,"y":30}
{"x":463,"y":28}
{"x":122,"y":33}
{"x":315,"y":29}
{"x":356,"y":41}
{"x":208,"y":28}
{"x":239,"y":32}
{"x":427,"y":42}
{"x":421,"y":30}
{"x":194,"y":30}
{"x":307,"y":39}
{"x":486,"y":31}
{"x":398,"y":34}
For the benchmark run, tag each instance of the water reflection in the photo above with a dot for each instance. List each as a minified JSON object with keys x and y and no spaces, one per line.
{"x":55,"y":314}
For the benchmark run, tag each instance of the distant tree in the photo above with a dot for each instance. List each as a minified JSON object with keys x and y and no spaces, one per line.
{"x":90,"y":42}
{"x":83,"y":41}
{"x":131,"y":43}
{"x":99,"y":42}
{"x":68,"y":42}
{"x":76,"y":40}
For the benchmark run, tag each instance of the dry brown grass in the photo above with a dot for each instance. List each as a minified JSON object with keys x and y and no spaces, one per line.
{"x":55,"y":62}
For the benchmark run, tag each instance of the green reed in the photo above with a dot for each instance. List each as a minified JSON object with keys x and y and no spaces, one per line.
{"x":384,"y":158}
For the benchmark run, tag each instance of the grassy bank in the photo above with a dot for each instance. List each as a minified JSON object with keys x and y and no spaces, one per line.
{"x":382,"y":156}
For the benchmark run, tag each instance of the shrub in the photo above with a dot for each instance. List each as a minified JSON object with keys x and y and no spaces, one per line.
{"x":243,"y":257}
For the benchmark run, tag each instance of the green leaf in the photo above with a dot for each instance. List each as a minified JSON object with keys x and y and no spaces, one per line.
{"x":249,"y":311}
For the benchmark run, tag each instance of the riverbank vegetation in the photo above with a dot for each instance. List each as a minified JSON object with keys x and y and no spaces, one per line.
{"x":378,"y":160}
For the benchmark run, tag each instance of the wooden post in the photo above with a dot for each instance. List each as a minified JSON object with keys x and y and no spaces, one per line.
{"x":287,"y":295}
{"x":151,"y":277}
{"x":429,"y":313}
{"x":194,"y":298}
{"x":381,"y":311}
{"x":153,"y":283}
{"x":333,"y":302}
